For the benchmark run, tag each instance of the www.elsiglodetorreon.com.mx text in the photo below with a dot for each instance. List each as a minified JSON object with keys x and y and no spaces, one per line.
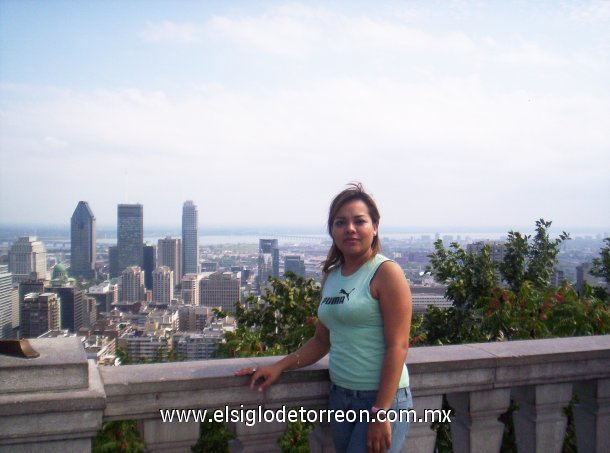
{"x":252,"y":416}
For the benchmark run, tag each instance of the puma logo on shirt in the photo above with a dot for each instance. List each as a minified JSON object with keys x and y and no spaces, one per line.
{"x":337,"y":299}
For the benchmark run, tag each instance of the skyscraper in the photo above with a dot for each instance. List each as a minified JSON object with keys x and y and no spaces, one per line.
{"x":82,"y":241}
{"x":40,"y":312}
{"x":6,"y":303}
{"x":27,"y":255}
{"x":113,"y":261}
{"x":294,"y":264}
{"x":132,"y":284}
{"x":72,"y":306}
{"x":190,"y":239}
{"x":169,"y":253}
{"x":190,"y":289}
{"x":220,"y":289}
{"x":130,"y":234}
{"x":150,"y":264}
{"x":163,"y":285}
{"x":268,"y":261}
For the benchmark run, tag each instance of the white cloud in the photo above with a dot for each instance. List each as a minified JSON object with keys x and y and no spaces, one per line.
{"x":276,"y":35}
{"x":593,"y":11}
{"x":184,"y":33}
{"x":54,"y":142}
{"x":297,"y":31}
{"x":449,"y":138}
{"x":444,"y":124}
{"x":530,"y":54}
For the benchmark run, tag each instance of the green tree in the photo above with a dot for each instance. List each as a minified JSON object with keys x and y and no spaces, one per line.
{"x":123,"y":356}
{"x":601,"y":265}
{"x":522,"y":304}
{"x":118,"y":436}
{"x":214,"y":437}
{"x":281,"y":321}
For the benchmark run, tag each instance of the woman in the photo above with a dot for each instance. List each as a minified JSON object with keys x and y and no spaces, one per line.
{"x":364,"y":321}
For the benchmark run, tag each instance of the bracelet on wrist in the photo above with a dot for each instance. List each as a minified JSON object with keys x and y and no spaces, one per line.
{"x":298,"y":358}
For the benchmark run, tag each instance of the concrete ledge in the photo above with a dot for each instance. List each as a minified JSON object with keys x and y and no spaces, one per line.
{"x":140,"y":391}
{"x":52,"y":416}
{"x":46,"y":403}
{"x":62,"y":365}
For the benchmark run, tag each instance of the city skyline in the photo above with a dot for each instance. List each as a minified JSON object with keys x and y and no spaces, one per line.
{"x":462,"y":113}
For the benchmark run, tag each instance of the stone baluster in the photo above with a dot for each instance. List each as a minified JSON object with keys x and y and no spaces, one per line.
{"x":175,"y":437}
{"x":421,"y":438}
{"x":321,"y":439}
{"x":539,"y":422}
{"x":52,"y":403}
{"x":475,"y":426}
{"x":592,"y":415}
{"x":260,"y":437}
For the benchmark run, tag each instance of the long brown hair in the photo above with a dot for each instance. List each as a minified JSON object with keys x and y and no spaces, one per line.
{"x":355,"y":191}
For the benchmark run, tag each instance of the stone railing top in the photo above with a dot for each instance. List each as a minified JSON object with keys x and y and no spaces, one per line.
{"x":62,"y":365}
{"x":139,"y":391}
{"x":507,"y":353}
{"x":481,"y":366}
{"x":195,"y":375}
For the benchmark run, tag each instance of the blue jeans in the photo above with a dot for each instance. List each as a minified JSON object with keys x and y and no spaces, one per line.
{"x":351,"y":436}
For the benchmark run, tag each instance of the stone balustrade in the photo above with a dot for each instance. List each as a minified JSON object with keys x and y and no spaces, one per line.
{"x":58,"y":401}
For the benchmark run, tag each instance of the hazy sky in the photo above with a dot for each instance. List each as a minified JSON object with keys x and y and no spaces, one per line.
{"x":452,"y":113}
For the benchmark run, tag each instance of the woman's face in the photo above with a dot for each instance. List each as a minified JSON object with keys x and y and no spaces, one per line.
{"x":353,"y":229}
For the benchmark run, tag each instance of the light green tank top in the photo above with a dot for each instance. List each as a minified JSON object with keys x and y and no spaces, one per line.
{"x":352,"y":315}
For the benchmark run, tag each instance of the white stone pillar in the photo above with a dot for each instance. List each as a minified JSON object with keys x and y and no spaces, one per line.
{"x":475,"y":426}
{"x":321,"y":439}
{"x":539,"y":422}
{"x":261,"y":437}
{"x":421,"y":438}
{"x":175,"y":437}
{"x":52,"y":403}
{"x":592,"y":415}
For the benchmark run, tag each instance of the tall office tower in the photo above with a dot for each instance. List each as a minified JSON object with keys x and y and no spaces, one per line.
{"x":497,"y":249}
{"x":72,"y":306}
{"x":190,"y":289}
{"x":130,"y":234}
{"x":209,"y":266}
{"x":113,"y":262}
{"x":40,"y":312}
{"x":82,"y":241}
{"x":583,"y":275}
{"x":32,"y":285}
{"x":27,"y":255}
{"x":6,"y":303}
{"x":104,"y":295}
{"x":190,"y":239}
{"x":90,"y":312}
{"x":163,"y":285}
{"x":294,"y":264}
{"x":268,"y":261}
{"x":220,"y":289}
{"x":193,"y":318}
{"x":150,"y":264}
{"x":132,"y":284}
{"x":169,"y":253}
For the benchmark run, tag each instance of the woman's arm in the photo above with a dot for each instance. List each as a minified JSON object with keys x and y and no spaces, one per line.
{"x":391,"y":289}
{"x":312,"y":351}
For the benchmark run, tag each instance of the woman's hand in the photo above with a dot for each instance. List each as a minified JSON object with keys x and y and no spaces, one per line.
{"x":379,"y":438}
{"x":269,"y":374}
